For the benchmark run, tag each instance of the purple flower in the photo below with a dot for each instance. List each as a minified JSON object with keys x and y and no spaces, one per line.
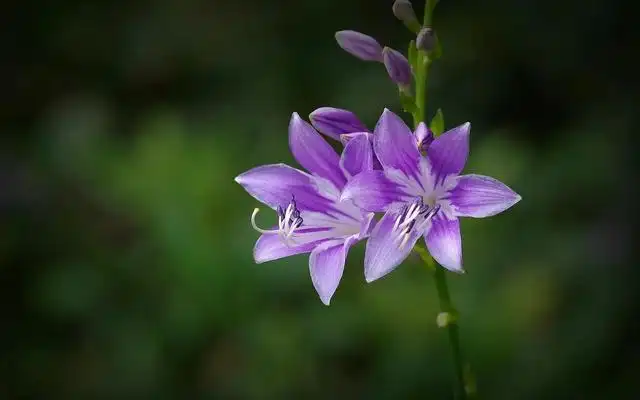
{"x":422,"y":196}
{"x":359,"y":45}
{"x":397,"y":67}
{"x":311,"y":216}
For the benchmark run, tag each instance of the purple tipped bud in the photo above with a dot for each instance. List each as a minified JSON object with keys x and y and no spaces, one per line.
{"x":334,"y":122}
{"x":426,"y":39}
{"x":403,"y":10}
{"x":359,"y":45}
{"x":424,"y":137}
{"x":397,"y":66}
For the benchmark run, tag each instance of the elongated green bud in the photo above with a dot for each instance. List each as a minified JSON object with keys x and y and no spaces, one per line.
{"x":403,"y":10}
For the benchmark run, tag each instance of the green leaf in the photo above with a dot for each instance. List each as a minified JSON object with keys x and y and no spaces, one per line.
{"x":437,"y":51}
{"x":437,"y":123}
{"x":408,"y":102}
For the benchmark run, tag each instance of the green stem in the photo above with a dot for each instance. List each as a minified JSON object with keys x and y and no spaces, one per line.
{"x":452,"y":330}
{"x":447,"y":311}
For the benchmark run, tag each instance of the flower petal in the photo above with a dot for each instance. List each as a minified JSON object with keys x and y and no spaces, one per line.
{"x":357,"y":156}
{"x":368,"y":223}
{"x":270,"y":246}
{"x":481,"y":196}
{"x":334,"y":122}
{"x":313,"y":152}
{"x":372,"y":191}
{"x":359,"y":45}
{"x":383,"y":254}
{"x":326,"y":265}
{"x":448,"y":152}
{"x":444,"y":242}
{"x":397,"y":66}
{"x":275,"y":184}
{"x":423,"y":136}
{"x":394,"y":144}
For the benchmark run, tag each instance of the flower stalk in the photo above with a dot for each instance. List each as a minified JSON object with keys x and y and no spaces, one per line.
{"x":448,"y":316}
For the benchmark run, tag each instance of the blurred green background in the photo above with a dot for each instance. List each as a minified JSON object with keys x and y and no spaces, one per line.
{"x":125,"y":246}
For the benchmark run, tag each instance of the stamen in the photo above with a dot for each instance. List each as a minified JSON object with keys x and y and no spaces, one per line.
{"x":289,"y":220}
{"x":412,"y":217}
{"x":256,"y":227}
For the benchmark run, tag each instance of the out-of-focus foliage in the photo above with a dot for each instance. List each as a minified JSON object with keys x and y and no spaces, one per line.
{"x":125,"y":248}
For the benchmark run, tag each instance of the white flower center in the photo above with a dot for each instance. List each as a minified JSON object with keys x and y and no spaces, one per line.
{"x":317,"y":225}
{"x":289,"y":221}
{"x":413,"y":217}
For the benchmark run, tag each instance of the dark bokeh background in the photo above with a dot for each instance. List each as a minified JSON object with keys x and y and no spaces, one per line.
{"x":125,"y":247}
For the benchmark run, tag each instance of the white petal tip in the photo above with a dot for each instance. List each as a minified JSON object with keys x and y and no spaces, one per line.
{"x":517,"y":199}
{"x":370,"y":277}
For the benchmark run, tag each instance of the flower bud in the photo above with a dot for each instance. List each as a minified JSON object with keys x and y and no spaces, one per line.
{"x":334,"y":122}
{"x":359,"y":45}
{"x":403,"y":10}
{"x":426,"y":39}
{"x":445,"y":319}
{"x":424,"y":137}
{"x":397,"y":67}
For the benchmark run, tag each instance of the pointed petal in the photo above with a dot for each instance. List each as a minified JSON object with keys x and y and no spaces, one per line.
{"x":424,"y":137}
{"x":448,"y":152}
{"x":359,"y":45}
{"x":394,"y":144}
{"x":313,"y":153}
{"x":383,"y":254}
{"x":397,"y":67}
{"x":444,"y":242}
{"x":326,"y":265}
{"x":481,"y":196}
{"x":367,"y":225}
{"x":334,"y":122}
{"x":275,"y":184}
{"x":372,"y":191}
{"x":357,"y":156}
{"x":271,"y":247}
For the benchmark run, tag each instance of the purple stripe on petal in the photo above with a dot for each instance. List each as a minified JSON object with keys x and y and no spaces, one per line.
{"x":481,"y":196}
{"x":394,"y":144}
{"x":334,"y":122}
{"x":271,"y":247}
{"x":448,"y":152}
{"x":313,"y":153}
{"x":275,"y":184}
{"x":444,"y":242}
{"x":383,"y":254}
{"x":372,"y":191}
{"x":357,"y":156}
{"x":326,"y":265}
{"x":359,"y":45}
{"x":397,"y":67}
